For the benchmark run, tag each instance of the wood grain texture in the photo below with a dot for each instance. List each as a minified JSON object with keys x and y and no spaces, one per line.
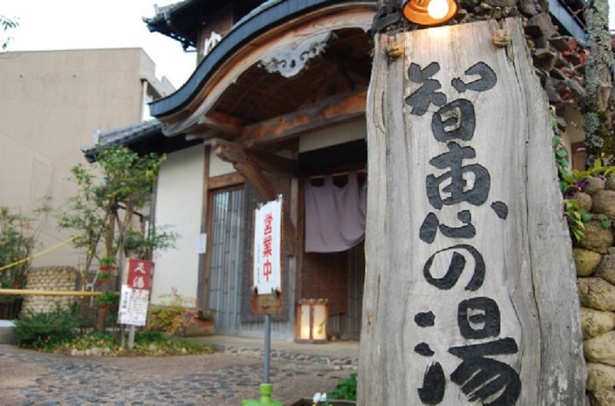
{"x":519,"y":231}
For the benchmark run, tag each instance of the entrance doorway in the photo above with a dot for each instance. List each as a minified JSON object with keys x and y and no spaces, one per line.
{"x":226,"y":252}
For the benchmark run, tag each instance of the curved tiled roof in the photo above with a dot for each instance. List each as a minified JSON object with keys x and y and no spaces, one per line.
{"x":267,"y":15}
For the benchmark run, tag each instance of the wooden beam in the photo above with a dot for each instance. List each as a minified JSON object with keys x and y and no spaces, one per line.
{"x":326,"y":113}
{"x":221,"y":122}
{"x":204,"y":268}
{"x":245,"y":165}
{"x":263,"y":186}
{"x":267,"y":161}
{"x":273,"y":163}
{"x":229,"y":151}
{"x":230,"y":179}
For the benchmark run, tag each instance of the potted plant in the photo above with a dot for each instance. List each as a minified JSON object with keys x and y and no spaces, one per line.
{"x":106,"y":267}
{"x":202,"y":324}
{"x":108,"y":300}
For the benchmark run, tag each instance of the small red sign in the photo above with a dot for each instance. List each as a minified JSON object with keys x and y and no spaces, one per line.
{"x":139,"y":274}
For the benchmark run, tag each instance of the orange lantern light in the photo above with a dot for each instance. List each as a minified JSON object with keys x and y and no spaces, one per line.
{"x":429,"y":12}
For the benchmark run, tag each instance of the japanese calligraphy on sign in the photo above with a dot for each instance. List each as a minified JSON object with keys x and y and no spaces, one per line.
{"x":267,"y":267}
{"x":458,"y":307}
{"x":457,"y":184}
{"x":133,"y":306}
{"x":139,"y":274}
{"x":134,"y":296}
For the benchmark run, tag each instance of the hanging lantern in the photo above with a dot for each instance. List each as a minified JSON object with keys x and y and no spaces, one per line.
{"x":429,"y":12}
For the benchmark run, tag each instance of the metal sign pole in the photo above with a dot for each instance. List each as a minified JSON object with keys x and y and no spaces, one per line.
{"x":267,"y":282}
{"x":267,"y":346}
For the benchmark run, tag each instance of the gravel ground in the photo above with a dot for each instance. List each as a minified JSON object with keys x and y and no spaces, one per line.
{"x":226,"y":378}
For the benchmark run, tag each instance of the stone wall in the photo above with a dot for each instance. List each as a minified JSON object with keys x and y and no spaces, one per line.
{"x":50,"y":278}
{"x":595,"y":262}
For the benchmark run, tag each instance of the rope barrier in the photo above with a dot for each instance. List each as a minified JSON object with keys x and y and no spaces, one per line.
{"x":47,"y":292}
{"x":44,"y":292}
{"x":38,"y":254}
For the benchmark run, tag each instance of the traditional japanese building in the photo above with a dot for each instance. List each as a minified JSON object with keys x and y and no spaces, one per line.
{"x":276,"y":106}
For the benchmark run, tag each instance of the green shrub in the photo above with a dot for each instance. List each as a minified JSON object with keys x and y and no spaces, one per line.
{"x":172,"y":316}
{"x":571,"y":182}
{"x":147,"y":343}
{"x":346,"y":389}
{"x":108,"y":299}
{"x":47,"y":330}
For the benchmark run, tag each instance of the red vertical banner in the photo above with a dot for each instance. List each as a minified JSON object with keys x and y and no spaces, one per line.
{"x":139,"y":274}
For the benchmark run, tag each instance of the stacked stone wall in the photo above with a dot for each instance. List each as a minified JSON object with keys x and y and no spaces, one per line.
{"x":595,"y":263}
{"x":60,"y":278}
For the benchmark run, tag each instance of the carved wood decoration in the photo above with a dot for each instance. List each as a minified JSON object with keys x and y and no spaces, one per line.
{"x":273,"y":42}
{"x":470,"y":291}
{"x":291,"y":61}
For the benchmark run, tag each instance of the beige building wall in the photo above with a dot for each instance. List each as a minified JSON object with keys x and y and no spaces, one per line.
{"x":178,"y":206}
{"x":52,"y":103}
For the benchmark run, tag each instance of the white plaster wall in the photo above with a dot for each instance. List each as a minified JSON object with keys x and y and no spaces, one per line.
{"x":332,"y":136}
{"x":178,"y":204}
{"x":217,"y":166}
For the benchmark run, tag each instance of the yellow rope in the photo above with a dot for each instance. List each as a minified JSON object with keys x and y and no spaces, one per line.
{"x":38,"y":254}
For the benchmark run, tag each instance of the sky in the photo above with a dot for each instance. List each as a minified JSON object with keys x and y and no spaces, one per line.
{"x":92,"y":24}
{"x":87,"y":24}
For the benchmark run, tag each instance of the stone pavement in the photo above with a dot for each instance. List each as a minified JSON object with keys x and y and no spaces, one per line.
{"x":225,"y":378}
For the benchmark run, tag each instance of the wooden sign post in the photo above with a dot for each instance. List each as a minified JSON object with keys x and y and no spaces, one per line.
{"x":470,"y":294}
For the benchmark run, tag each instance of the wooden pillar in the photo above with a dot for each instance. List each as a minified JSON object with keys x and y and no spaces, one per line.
{"x":470,"y":294}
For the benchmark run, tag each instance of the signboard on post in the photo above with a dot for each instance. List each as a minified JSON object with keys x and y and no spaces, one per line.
{"x":470,"y":296}
{"x":134,"y":299}
{"x":139,"y":274}
{"x":267,"y":258}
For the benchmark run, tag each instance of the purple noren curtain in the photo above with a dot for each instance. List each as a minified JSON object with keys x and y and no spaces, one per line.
{"x":334,"y":216}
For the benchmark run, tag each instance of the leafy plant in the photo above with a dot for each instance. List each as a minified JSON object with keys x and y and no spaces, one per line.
{"x":142,"y":244}
{"x":106,"y":267}
{"x":346,"y":389}
{"x":147,"y":343}
{"x":109,"y":197}
{"x":6,"y":24}
{"x":173,"y":316}
{"x":17,"y":241}
{"x":108,"y":299}
{"x":47,"y":330}
{"x":572,"y":182}
{"x":107,"y":264}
